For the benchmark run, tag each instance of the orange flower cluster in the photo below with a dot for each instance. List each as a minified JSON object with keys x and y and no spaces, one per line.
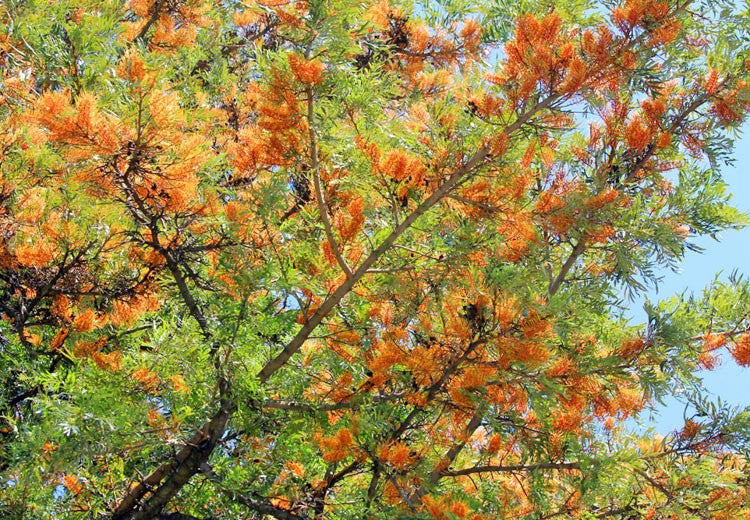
{"x":471,"y":33}
{"x":86,"y":321}
{"x":636,"y":12}
{"x":59,"y":339}
{"x":713,"y":341}
{"x":420,"y":37}
{"x":401,"y":166}
{"x":72,"y":483}
{"x":530,"y":352}
{"x":604,"y":197}
{"x":562,"y":367}
{"x":349,"y":222}
{"x":397,"y":455}
{"x":690,"y":429}
{"x":245,"y":18}
{"x":83,"y":126}
{"x":495,"y":443}
{"x":85,"y":349}
{"x":637,"y":135}
{"x":309,"y":72}
{"x":730,"y":106}
{"x":276,"y":135}
{"x":520,"y":234}
{"x":387,"y":355}
{"x":601,"y":234}
{"x":443,"y":508}
{"x":296,"y":468}
{"x":111,"y":361}
{"x":631,"y":347}
{"x":741,"y":350}
{"x":541,"y":54}
{"x":596,"y":46}
{"x":628,"y":401}
{"x":125,"y":312}
{"x":337,"y":447}
{"x":61,"y":307}
{"x":35,"y":252}
{"x":653,"y":109}
{"x":131,"y":67}
{"x":175,"y":27}
{"x":148,"y":379}
{"x":179,"y":384}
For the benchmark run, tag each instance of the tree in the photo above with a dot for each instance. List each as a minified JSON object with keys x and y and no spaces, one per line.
{"x":332,"y":259}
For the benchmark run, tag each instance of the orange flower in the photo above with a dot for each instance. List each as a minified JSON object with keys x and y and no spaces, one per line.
{"x":84,"y":349}
{"x":575,"y":76}
{"x":147,"y":378}
{"x":398,"y":455}
{"x":629,"y":400}
{"x":459,"y":509}
{"x":131,"y":67}
{"x":712,"y":82}
{"x":34,"y":339}
{"x":59,"y":339}
{"x":496,"y":442}
{"x":654,"y":109}
{"x":506,"y":311}
{"x":708,"y":360}
{"x":86,"y":321}
{"x":61,"y":307}
{"x":713,"y":341}
{"x":689,"y":430}
{"x":179,"y":384}
{"x":434,"y":506}
{"x":111,"y":361}
{"x":72,"y":483}
{"x":637,"y":135}
{"x":398,"y":165}
{"x":305,"y":71}
{"x":123,"y":313}
{"x":562,"y":367}
{"x":245,"y":18}
{"x":337,"y":447}
{"x":36,"y":254}
{"x":419,"y":38}
{"x":499,"y":144}
{"x":603,"y":198}
{"x":349,"y":222}
{"x":664,"y":140}
{"x":631,"y":347}
{"x":155,"y":417}
{"x":741,"y":350}
{"x":296,"y":468}
{"x":471,"y":33}
{"x":602,"y":234}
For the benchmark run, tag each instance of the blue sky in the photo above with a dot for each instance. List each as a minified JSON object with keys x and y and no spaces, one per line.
{"x":731,"y":252}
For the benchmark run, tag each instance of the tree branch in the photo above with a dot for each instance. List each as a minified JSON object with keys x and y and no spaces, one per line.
{"x":177,"y":472}
{"x":319,"y":195}
{"x":567,"y":266}
{"x":511,"y":468}
{"x":151,"y":21}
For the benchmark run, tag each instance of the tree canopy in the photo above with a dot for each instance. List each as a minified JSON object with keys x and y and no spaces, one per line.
{"x":334,"y":259}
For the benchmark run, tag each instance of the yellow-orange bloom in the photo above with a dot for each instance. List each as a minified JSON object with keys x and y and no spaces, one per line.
{"x":637,"y":135}
{"x":305,"y":71}
{"x":72,"y":483}
{"x":741,"y":350}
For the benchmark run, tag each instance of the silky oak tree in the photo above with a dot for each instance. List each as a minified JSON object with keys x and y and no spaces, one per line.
{"x":366,"y":259}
